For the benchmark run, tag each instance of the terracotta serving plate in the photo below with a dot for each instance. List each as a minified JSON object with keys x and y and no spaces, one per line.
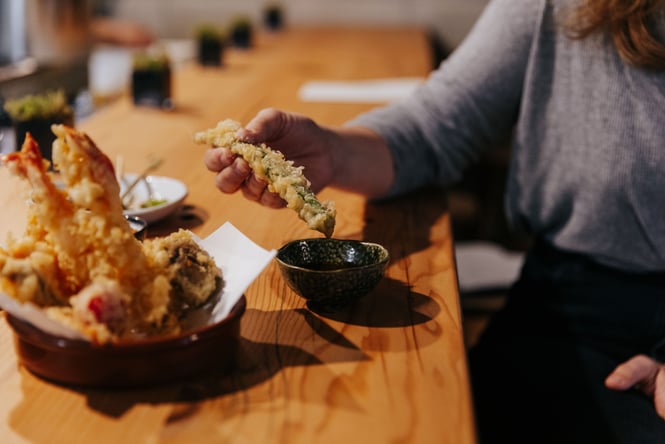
{"x":129,"y":364}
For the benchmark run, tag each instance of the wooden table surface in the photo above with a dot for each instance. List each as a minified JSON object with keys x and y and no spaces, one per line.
{"x":392,"y":369}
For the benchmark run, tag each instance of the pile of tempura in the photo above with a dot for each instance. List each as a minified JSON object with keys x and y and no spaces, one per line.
{"x":79,"y":260}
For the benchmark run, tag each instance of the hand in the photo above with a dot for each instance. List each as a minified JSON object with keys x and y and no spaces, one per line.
{"x":299,"y":138}
{"x":644,"y":374}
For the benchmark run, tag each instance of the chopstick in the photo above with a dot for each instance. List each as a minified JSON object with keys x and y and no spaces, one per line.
{"x":151,"y":166}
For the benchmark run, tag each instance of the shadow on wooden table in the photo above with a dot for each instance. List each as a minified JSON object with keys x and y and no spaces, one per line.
{"x":270,"y":343}
{"x":393,"y":303}
{"x":187,"y":217}
{"x":413,"y":218}
{"x":390,"y":304}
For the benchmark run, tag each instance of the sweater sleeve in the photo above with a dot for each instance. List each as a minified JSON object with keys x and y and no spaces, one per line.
{"x":469,"y":103}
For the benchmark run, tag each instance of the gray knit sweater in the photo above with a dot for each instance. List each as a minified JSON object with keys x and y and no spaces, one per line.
{"x":588,"y":155}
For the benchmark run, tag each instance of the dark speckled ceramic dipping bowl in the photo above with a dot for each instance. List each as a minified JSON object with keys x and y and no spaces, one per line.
{"x":332,"y":273}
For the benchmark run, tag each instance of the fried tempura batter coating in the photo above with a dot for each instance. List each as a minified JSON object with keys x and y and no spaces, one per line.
{"x":282,"y":177}
{"x":79,"y":258}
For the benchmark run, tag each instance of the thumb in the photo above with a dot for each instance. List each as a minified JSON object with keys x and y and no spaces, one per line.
{"x":266,"y":125}
{"x":639,"y":369}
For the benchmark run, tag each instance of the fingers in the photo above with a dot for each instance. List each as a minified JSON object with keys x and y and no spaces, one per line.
{"x":234,"y":173}
{"x":240,"y":177}
{"x":639,"y":371}
{"x":643,"y":373}
{"x":266,"y":125}
{"x":659,"y":393}
{"x":216,"y":159}
{"x":256,"y":189}
{"x":272,"y":200}
{"x":231,"y":178}
{"x":265,"y":198}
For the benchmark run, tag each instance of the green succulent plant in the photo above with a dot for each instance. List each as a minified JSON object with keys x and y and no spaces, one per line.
{"x":38,"y":106}
{"x":147,"y":61}
{"x":209,"y":32}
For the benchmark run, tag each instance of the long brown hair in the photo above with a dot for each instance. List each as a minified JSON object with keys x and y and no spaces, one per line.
{"x":629,"y":24}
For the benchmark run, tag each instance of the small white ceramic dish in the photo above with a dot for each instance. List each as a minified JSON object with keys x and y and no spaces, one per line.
{"x":171,"y":191}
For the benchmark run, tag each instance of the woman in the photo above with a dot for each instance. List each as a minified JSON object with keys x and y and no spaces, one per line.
{"x":575,"y":355}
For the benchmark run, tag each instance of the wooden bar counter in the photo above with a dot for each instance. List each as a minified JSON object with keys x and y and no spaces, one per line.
{"x":392,"y":369}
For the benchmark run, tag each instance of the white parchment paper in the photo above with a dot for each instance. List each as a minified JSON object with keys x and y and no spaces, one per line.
{"x":239,"y":258}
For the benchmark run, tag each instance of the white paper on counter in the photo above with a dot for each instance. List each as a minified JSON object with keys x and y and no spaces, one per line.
{"x":240,"y":260}
{"x":486,"y":266}
{"x":359,"y":91}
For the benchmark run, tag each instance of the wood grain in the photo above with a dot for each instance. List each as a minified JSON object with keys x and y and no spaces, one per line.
{"x":392,"y":369}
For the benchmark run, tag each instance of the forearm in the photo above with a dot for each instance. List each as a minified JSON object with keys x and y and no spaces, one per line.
{"x":361,"y":161}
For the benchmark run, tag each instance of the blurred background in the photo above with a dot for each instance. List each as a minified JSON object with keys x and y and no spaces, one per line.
{"x":85,"y":48}
{"x":449,"y":19}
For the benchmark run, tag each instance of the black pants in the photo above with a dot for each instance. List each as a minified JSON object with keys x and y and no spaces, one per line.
{"x":538,"y":370}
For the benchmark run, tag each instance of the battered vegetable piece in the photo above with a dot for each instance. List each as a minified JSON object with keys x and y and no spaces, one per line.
{"x":282,"y":177}
{"x":79,"y":260}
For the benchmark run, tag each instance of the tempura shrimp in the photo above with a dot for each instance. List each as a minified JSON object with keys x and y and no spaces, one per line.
{"x":50,"y":214}
{"x":85,"y":225}
{"x":79,"y":259}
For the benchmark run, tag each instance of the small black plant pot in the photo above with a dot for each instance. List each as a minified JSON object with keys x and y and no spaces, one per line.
{"x":152,"y":87}
{"x":242,"y":37}
{"x":210,"y":52}
{"x":273,"y":18}
{"x":40,"y":130}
